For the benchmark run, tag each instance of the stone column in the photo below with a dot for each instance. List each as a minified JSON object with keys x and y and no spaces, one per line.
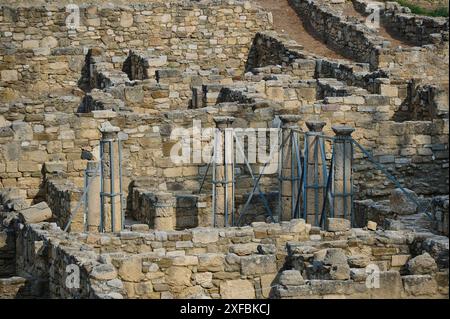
{"x":342,"y":173}
{"x":288,"y":122}
{"x":164,"y":211}
{"x":224,"y":175}
{"x":93,"y":196}
{"x":315,"y":179}
{"x":111,"y":199}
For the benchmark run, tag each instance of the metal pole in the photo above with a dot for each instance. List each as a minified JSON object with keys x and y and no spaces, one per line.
{"x":214,"y":179}
{"x":122,"y":206}
{"x":102,"y":188}
{"x":111,"y":183}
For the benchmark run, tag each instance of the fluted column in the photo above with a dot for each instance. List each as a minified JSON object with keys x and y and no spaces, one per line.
{"x":164,"y":211}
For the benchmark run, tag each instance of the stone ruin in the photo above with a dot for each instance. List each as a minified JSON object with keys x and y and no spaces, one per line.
{"x":91,"y":98}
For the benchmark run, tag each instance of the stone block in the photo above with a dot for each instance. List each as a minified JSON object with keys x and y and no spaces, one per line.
{"x":9,"y":75}
{"x":403,"y":203}
{"x":258,"y":264}
{"x":338,"y":224}
{"x":204,"y":235}
{"x":422,"y":265}
{"x":237,"y":289}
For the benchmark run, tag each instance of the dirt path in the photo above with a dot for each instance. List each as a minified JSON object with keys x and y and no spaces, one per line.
{"x":288,"y":23}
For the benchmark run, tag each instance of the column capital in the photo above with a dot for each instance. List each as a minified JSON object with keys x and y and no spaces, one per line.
{"x":223,"y":121}
{"x":109,"y":132}
{"x":343,"y":130}
{"x":289,"y":119}
{"x":315,"y":126}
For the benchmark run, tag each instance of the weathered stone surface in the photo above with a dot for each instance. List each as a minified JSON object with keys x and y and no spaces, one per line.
{"x":422,"y":265}
{"x":258,"y":264}
{"x":244,"y":249}
{"x":178,"y":276}
{"x":335,"y":256}
{"x":371,"y":225}
{"x":104,"y":272}
{"x":205,"y":235}
{"x":237,"y":289}
{"x":131,"y":269}
{"x":204,"y":279}
{"x":420,"y":285}
{"x":338,"y":224}
{"x":401,"y":203}
{"x":291,"y":278}
{"x":36,"y":213}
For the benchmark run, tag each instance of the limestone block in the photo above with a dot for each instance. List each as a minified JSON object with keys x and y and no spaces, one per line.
{"x":291,"y":278}
{"x":267,"y":283}
{"x":399,"y":260}
{"x":205,"y":235}
{"x":371,"y":225}
{"x":335,"y":256}
{"x":104,"y":272}
{"x":36,"y":213}
{"x":211,"y":262}
{"x":204,"y":279}
{"x":338,"y":224}
{"x":9,"y":75}
{"x":237,"y":289}
{"x":258,"y":264}
{"x":178,"y":276}
{"x":422,"y":265}
{"x":126,"y":19}
{"x":244,"y":249}
{"x":401,"y":204}
{"x":420,"y":285}
{"x":130,"y":269}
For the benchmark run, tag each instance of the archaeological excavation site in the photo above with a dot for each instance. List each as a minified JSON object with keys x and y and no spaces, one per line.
{"x":223,"y":149}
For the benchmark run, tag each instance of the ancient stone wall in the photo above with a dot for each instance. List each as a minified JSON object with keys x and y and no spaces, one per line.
{"x":42,"y":53}
{"x":354,"y":41}
{"x":63,"y":197}
{"x":246,"y":262}
{"x":420,"y":30}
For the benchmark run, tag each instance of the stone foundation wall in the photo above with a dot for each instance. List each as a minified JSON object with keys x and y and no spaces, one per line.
{"x":189,"y":211}
{"x":62,"y":198}
{"x":247,"y":262}
{"x":47,"y":265}
{"x":440,"y":211}
{"x":41,"y":52}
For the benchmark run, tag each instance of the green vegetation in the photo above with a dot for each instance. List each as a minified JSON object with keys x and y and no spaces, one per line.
{"x":416,"y":9}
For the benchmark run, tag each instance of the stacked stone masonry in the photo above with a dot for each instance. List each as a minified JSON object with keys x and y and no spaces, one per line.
{"x":150,"y":69}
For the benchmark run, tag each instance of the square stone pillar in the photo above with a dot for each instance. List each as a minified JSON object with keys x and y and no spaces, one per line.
{"x":342,"y":183}
{"x":93,"y":182}
{"x":315,"y":179}
{"x":111,"y":203}
{"x":289,"y":183}
{"x":223,"y":178}
{"x":164,"y":211}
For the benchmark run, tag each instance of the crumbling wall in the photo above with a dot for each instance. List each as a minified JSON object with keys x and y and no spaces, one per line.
{"x":246,"y":262}
{"x":63,"y":197}
{"x":416,"y":29}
